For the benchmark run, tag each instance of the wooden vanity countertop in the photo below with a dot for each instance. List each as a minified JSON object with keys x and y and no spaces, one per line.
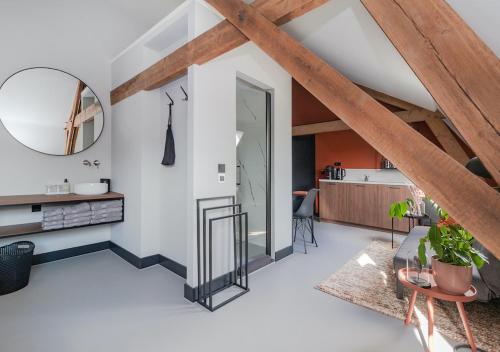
{"x":30,"y":199}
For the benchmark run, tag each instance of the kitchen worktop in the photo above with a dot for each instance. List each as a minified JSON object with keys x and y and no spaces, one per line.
{"x":374,"y":182}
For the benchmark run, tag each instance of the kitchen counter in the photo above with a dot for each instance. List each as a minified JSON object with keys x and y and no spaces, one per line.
{"x":388,"y":183}
{"x":362,"y":203}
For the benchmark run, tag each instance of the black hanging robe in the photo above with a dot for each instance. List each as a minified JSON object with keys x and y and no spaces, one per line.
{"x":169,"y":153}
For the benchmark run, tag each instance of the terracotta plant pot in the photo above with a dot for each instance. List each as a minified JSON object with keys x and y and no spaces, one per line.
{"x":453,"y":279}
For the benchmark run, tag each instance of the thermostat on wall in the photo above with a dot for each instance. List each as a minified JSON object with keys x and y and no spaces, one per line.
{"x":221,"y":176}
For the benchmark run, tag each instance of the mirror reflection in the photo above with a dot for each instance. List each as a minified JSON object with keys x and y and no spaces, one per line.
{"x":50,"y":111}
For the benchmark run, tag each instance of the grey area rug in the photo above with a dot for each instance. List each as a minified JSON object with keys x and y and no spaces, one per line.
{"x":368,"y":280}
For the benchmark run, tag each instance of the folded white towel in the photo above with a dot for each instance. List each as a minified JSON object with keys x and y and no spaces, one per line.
{"x":76,"y":223}
{"x":52,"y":223}
{"x":53,"y":227}
{"x":77,"y":220}
{"x":78,"y":208}
{"x":52,"y":212}
{"x":107,"y":216}
{"x":106,"y":204}
{"x":85,"y":214}
{"x":105,"y":220}
{"x":107,"y":210}
{"x":53,"y":217}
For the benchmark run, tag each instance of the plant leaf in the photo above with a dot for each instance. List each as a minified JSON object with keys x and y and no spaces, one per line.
{"x":421,"y":252}
{"x":435,"y":240}
{"x":478,"y":260}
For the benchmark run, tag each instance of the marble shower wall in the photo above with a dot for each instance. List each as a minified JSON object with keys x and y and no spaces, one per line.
{"x":251,"y":156}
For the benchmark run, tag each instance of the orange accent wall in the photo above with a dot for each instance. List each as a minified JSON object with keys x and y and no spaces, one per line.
{"x":348,"y":148}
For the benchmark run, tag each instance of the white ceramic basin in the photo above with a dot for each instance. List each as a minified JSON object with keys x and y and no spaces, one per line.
{"x":90,"y":189}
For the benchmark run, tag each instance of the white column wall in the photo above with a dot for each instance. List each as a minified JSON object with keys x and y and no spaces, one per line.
{"x":213,"y":114}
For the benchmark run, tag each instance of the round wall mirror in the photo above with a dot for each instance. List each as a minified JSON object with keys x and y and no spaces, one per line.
{"x":50,"y":111}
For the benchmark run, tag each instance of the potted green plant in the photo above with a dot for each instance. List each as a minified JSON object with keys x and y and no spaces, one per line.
{"x":399,"y":209}
{"x":452,"y":264}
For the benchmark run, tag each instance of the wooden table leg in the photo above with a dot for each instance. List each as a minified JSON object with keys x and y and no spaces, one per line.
{"x":410,"y":308}
{"x":430,"y":323}
{"x":468,"y":331}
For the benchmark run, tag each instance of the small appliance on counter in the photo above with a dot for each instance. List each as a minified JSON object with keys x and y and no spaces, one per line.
{"x":338,"y":172}
{"x":328,"y":172}
{"x":386,"y":164}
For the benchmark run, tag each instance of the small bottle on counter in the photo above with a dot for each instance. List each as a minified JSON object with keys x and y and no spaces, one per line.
{"x":66,"y":187}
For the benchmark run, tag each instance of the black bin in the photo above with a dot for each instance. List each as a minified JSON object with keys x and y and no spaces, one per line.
{"x":15,"y":266}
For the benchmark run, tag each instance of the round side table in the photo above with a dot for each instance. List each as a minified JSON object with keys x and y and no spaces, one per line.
{"x":436,"y":293}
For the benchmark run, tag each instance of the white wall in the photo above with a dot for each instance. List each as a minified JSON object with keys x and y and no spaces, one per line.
{"x":155,"y":218}
{"x":213,"y":114}
{"x":154,"y":207}
{"x":44,"y":34}
{"x":155,"y":215}
{"x":164,"y":187}
{"x":79,"y":38}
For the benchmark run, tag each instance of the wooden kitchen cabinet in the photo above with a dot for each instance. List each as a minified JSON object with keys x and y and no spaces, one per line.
{"x":387,"y":195}
{"x":333,"y":201}
{"x":361,"y":203}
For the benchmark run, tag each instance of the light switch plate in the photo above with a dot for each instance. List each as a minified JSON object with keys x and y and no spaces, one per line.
{"x":221,"y":176}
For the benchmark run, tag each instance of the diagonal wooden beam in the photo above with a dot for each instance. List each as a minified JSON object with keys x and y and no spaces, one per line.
{"x":386,"y":98}
{"x":302,"y":10}
{"x":451,"y":61}
{"x":207,"y":46}
{"x":446,"y":138}
{"x":71,"y":128}
{"x":467,"y":198}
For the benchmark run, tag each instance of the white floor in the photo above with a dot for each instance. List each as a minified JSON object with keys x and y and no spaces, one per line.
{"x":98,"y":302}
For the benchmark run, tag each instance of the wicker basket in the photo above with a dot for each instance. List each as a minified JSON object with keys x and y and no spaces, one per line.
{"x":15,"y":266}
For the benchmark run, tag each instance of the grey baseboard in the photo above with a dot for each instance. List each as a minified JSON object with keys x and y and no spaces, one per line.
{"x":282,"y":253}
{"x":126,"y":255}
{"x":131,"y":258}
{"x":191,"y":293}
{"x":69,"y":252}
{"x":173,"y":266}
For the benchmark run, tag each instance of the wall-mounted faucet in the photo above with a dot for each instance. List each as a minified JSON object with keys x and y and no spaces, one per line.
{"x":367,"y":178}
{"x":96,"y":163}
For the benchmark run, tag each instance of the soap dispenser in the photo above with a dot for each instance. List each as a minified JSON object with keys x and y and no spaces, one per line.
{"x":66,"y":186}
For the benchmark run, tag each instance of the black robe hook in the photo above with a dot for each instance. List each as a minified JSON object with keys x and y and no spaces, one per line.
{"x":185,"y":94}
{"x":169,"y":97}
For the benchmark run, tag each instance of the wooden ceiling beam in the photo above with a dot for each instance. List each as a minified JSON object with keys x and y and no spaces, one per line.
{"x":386,"y":98}
{"x":207,"y":46}
{"x":446,"y":138}
{"x":460,"y":72}
{"x":87,"y":114}
{"x":320,"y":127}
{"x":466,"y":197}
{"x":339,"y":125}
{"x":302,"y":10}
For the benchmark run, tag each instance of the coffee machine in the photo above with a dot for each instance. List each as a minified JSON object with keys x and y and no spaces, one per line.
{"x":338,"y":172}
{"x":328,"y":172}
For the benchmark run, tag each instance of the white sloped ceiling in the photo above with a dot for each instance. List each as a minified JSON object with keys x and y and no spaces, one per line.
{"x":344,"y":34}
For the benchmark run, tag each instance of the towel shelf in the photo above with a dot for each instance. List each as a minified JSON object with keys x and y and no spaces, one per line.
{"x":39,"y":199}
{"x":34,"y":199}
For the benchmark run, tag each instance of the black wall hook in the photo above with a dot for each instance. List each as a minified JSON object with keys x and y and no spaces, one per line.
{"x":186,"y":96}
{"x":169,"y":97}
